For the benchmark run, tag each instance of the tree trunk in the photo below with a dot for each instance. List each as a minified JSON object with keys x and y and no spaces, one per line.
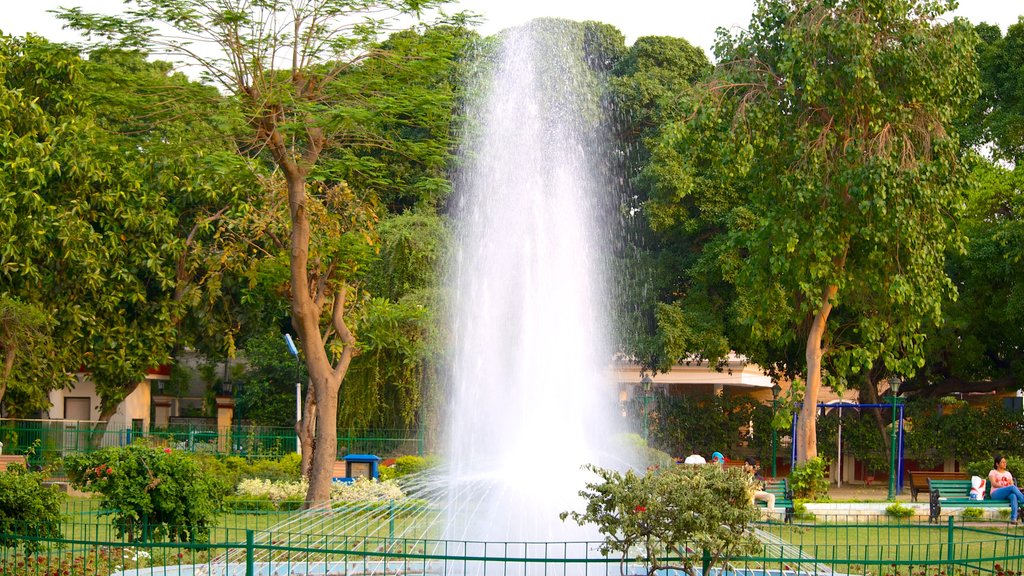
{"x":100,"y":429}
{"x":305,"y":429}
{"x":324,"y":379}
{"x":9,"y":354}
{"x":807,"y":446}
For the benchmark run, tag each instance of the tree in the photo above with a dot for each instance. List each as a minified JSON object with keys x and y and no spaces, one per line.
{"x":89,"y":239}
{"x":830,"y":123}
{"x":668,"y":518}
{"x":284,"y":64}
{"x":979,"y":345}
{"x":27,"y":352}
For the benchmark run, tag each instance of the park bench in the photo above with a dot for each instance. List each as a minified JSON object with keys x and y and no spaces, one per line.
{"x":777,"y":486}
{"x":919,"y":480}
{"x":783,"y":496}
{"x":955,"y":494}
{"x":8,"y":459}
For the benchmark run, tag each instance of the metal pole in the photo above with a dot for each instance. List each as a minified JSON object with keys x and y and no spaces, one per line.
{"x":892,"y":453}
{"x":775,"y":438}
{"x":839,"y":448}
{"x":298,"y":416}
{"x":646,"y":425}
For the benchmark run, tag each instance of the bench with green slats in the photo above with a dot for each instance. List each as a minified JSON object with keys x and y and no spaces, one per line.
{"x":783,"y":496}
{"x":956,"y":494}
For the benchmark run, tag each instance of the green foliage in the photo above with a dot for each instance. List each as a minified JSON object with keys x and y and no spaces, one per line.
{"x":30,"y":366}
{"x":952,"y":429}
{"x":1014,"y":465}
{"x":808,"y":480}
{"x":267,"y":392}
{"x":977,"y":347}
{"x":897,"y":510}
{"x":721,"y":417}
{"x":407,"y":466}
{"x":813,"y":181}
{"x":973,"y":513}
{"x":667,"y":517}
{"x":800,"y":511}
{"x":649,"y":455}
{"x":28,"y":508}
{"x":224,"y":474}
{"x":152,"y":493}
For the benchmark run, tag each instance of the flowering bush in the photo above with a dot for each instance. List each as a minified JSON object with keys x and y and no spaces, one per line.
{"x":281,"y":492}
{"x":643,"y":518}
{"x":366,"y":490}
{"x":29,"y":508}
{"x":153,"y":493}
{"x":275,"y":490}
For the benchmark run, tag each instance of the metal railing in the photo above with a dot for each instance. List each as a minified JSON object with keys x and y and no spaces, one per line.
{"x":45,"y":441}
{"x":364,"y":540}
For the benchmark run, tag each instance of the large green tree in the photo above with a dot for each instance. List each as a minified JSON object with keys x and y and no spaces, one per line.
{"x":285,"y":65}
{"x":88,"y":240}
{"x":830,"y":123}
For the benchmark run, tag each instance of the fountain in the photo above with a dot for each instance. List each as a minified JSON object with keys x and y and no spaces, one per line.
{"x":531,"y":398}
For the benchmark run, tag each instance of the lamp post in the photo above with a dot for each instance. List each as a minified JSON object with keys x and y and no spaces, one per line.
{"x":775,"y":432}
{"x":298,"y":392}
{"x":894,"y":388}
{"x":645,"y":384}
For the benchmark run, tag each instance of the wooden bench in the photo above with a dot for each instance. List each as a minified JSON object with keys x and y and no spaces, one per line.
{"x":8,"y":459}
{"x":919,"y":480}
{"x":955,"y":494}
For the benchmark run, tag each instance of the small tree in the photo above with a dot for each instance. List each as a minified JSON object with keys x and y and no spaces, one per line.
{"x":670,"y":517}
{"x":28,"y":508}
{"x":152,"y":493}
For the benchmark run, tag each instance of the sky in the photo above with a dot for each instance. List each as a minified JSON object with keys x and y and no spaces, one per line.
{"x":694,"y":20}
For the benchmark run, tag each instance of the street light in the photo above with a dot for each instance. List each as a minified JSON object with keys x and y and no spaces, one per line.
{"x":775,"y":432}
{"x":298,"y":391}
{"x":894,"y":388}
{"x":645,"y":384}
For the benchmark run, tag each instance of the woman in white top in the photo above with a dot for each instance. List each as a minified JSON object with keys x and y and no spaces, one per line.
{"x":1003,"y":487}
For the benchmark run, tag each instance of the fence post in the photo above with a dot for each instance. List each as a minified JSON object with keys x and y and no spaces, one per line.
{"x":250,"y":569}
{"x":705,"y":561}
{"x":949,"y":545}
{"x":391,"y":520}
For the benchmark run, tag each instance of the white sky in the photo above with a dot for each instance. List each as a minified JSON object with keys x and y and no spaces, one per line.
{"x":694,"y":20}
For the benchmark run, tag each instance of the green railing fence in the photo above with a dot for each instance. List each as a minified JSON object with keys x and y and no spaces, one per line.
{"x":388,"y":538}
{"x":45,"y":441}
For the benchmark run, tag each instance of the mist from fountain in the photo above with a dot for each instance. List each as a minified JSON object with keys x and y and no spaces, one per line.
{"x":531,"y":398}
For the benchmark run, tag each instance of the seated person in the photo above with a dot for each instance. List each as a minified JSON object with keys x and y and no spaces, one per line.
{"x":751,"y":467}
{"x":718,"y":458}
{"x":695,"y":459}
{"x":1003,"y":487}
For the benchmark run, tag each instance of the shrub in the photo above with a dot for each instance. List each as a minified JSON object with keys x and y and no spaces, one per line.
{"x":808,"y":479}
{"x":291,"y":495}
{"x":406,"y":466}
{"x":800,"y":511}
{"x":153,"y":493}
{"x":897,"y":510}
{"x":1014,"y":465}
{"x":28,"y":507}
{"x":707,"y":507}
{"x":974,"y":513}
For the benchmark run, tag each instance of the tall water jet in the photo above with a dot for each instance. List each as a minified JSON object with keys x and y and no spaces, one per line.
{"x":532,"y":399}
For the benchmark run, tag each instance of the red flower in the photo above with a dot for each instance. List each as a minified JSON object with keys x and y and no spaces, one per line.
{"x":110,"y":470}
{"x":167,"y":450}
{"x":640,"y":509}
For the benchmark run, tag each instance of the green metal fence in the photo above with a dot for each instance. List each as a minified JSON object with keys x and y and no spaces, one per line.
{"x":45,"y":441}
{"x":363,"y":540}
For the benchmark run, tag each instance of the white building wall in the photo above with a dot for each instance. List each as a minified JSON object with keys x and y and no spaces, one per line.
{"x":135,"y":406}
